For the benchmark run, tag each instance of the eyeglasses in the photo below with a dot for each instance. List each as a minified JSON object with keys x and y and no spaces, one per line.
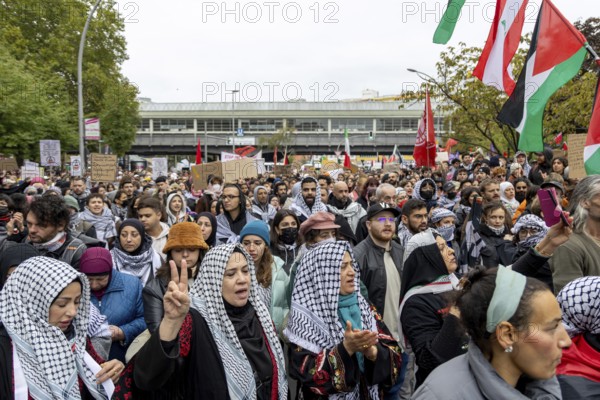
{"x":228,"y":197}
{"x":383,"y":220}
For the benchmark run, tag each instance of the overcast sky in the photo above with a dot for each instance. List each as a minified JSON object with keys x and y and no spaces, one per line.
{"x":319,"y":50}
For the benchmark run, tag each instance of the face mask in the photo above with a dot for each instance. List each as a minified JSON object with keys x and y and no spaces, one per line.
{"x":3,"y":210}
{"x":447,"y":232}
{"x":451,"y":195}
{"x":426,"y":194}
{"x":520,"y":196}
{"x":216,"y":187}
{"x":289,"y":235}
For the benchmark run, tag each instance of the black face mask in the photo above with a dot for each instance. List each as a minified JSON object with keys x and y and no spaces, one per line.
{"x":288,"y":235}
{"x":427,"y":194}
{"x":3,"y":211}
{"x":451,"y":195}
{"x":520,"y":196}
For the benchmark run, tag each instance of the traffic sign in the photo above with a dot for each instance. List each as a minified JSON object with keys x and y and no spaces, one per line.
{"x":240,"y":131}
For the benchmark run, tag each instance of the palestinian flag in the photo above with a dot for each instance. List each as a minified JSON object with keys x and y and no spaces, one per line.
{"x":591,"y":152}
{"x":445,"y":29}
{"x":556,"y":54}
{"x":494,"y":67}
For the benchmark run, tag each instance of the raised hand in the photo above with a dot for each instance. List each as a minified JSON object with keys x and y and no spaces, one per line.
{"x":176,"y":302}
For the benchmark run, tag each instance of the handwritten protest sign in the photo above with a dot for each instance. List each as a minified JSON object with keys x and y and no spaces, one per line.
{"x":104,"y":167}
{"x":576,"y":145}
{"x":230,"y":171}
{"x":8,"y":164}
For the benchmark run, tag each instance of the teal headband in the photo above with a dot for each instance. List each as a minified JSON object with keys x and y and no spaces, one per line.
{"x":510,"y":286}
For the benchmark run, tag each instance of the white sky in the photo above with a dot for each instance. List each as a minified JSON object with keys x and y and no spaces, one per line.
{"x":193,"y":51}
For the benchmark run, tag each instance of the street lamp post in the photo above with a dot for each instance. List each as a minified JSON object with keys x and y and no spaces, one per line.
{"x":80,"y":85}
{"x":233,"y":92}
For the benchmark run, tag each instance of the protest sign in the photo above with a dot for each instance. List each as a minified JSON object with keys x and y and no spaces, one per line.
{"x":104,"y":167}
{"x":50,"y":153}
{"x":576,"y":145}
{"x":160,"y":167}
{"x":8,"y":164}
{"x":75,"y":165}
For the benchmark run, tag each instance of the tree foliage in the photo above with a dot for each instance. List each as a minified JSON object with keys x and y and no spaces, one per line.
{"x":283,"y":138}
{"x":472,"y":107}
{"x":41,"y":40}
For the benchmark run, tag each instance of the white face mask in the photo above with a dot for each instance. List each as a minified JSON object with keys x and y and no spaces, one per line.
{"x":216,"y":187}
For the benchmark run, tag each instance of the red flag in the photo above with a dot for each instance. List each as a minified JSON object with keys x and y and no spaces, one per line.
{"x":424,"y":152}
{"x":275,"y":156}
{"x":450,"y":143}
{"x":285,"y":157}
{"x":565,"y":147}
{"x":347,"y":162}
{"x":558,"y":138}
{"x":198,"y":153}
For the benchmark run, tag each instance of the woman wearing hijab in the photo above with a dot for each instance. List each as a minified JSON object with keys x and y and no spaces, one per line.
{"x":428,"y":325}
{"x":235,"y":214}
{"x":176,"y":212}
{"x":185,"y":243}
{"x":223,"y":332}
{"x":44,"y":349}
{"x":116,"y":295}
{"x":208,"y":225}
{"x":579,"y":370}
{"x":261,"y":208}
{"x":133,"y":253}
{"x":507,"y":195}
{"x":517,"y":340}
{"x":340,"y":346}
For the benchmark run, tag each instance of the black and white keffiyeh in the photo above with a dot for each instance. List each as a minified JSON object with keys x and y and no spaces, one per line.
{"x":580,"y":304}
{"x":313,"y":321}
{"x":266,"y":212}
{"x":140,"y":264}
{"x":299,"y":206}
{"x":530,"y":221}
{"x":51,"y":363}
{"x":206,"y":297}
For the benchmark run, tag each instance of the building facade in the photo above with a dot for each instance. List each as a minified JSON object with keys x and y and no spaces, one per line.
{"x":318,"y":127}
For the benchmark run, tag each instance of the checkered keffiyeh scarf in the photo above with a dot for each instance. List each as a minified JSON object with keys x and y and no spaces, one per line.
{"x":299,"y":205}
{"x":51,"y":363}
{"x":313,"y":320}
{"x":530,"y":221}
{"x":206,"y":297}
{"x":580,"y":304}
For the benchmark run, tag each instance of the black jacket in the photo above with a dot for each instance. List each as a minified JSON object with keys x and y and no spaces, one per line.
{"x":535,"y":175}
{"x":70,"y":252}
{"x":497,"y":250}
{"x":369,"y":257}
{"x":152,"y":295}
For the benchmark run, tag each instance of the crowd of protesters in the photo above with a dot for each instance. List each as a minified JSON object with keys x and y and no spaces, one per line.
{"x":423,"y":283}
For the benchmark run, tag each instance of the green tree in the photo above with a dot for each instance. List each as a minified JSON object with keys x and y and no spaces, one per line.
{"x":45,"y":37}
{"x":27,"y":113}
{"x":283,"y":138}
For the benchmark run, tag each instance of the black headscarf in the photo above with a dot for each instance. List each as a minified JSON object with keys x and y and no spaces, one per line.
{"x":138,"y":227}
{"x":212,"y":239}
{"x":423,"y":266}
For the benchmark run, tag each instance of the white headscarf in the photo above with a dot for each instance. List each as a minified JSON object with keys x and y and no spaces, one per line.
{"x":206,"y":297}
{"x":300,"y":207}
{"x":51,"y":363}
{"x":580,"y":305}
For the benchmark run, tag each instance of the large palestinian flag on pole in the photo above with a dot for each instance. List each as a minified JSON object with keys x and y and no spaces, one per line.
{"x":445,"y":29}
{"x":591,"y":152}
{"x":556,"y":54}
{"x":494,"y":67}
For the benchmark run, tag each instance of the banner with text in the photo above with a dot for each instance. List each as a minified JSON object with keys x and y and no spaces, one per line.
{"x":50,"y":153}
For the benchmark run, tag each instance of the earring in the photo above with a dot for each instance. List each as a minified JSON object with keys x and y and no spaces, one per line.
{"x":509,"y":349}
